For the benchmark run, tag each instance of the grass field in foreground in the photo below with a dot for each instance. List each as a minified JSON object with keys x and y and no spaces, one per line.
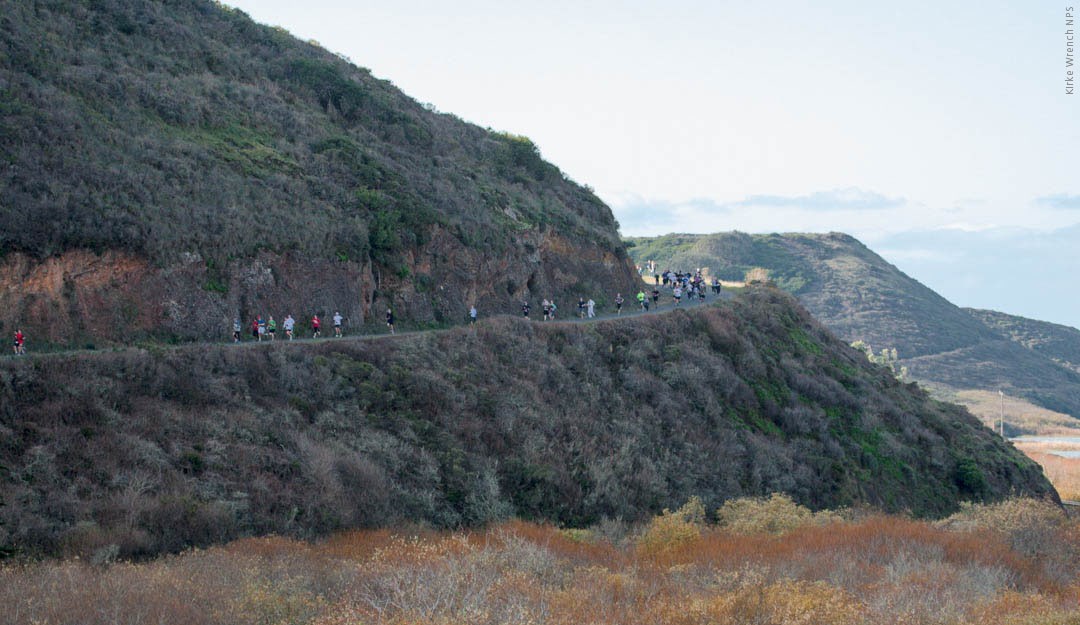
{"x":762,"y":561}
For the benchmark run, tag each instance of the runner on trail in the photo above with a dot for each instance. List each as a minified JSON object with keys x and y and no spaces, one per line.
{"x":547,"y":309}
{"x":525,"y":309}
{"x":337,"y":324}
{"x":262,"y":328}
{"x":656,"y":296}
{"x":316,"y":327}
{"x":390,"y":320}
{"x":20,"y":343}
{"x":642,"y":302}
{"x":656,"y":279}
{"x":290,"y":323}
{"x":677,"y":294}
{"x":271,"y":327}
{"x":472,"y":315}
{"x":255,"y":329}
{"x":591,"y":307}
{"x":236,"y":329}
{"x":553,"y":309}
{"x":581,"y":307}
{"x":618,"y":303}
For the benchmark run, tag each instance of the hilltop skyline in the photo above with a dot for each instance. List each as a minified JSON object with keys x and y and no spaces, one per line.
{"x":884,"y":123}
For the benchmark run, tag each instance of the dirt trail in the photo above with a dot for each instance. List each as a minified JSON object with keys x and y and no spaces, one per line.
{"x":567,"y":314}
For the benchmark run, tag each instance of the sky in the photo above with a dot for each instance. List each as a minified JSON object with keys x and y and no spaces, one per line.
{"x":939,"y":133}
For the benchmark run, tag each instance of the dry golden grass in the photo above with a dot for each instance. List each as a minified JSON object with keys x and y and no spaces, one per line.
{"x":987,"y":564}
{"x":1019,"y":413}
{"x":1063,"y":473}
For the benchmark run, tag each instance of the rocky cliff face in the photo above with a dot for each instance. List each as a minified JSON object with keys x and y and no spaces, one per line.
{"x":78,"y":298}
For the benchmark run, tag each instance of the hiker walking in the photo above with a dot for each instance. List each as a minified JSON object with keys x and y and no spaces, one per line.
{"x":390,"y":320}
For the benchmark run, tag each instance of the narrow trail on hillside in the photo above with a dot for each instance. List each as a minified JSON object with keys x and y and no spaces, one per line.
{"x":630,"y":309}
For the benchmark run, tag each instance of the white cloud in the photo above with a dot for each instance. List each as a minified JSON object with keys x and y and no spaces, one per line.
{"x":1059,"y":200}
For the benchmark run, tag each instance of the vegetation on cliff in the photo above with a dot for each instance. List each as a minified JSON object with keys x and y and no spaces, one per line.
{"x":249,"y":169}
{"x":146,"y":451}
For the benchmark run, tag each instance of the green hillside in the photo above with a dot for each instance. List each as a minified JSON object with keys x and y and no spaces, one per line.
{"x":226,"y":167}
{"x":862,"y":297}
{"x":155,"y":451}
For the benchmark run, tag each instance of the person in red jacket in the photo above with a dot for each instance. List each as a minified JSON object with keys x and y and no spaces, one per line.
{"x":20,"y":342}
{"x":315,"y":326}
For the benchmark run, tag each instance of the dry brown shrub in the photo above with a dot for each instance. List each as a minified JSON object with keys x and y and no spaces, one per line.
{"x":876,"y":570}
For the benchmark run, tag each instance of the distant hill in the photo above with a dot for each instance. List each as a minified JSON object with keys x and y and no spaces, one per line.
{"x":1058,"y":342}
{"x":144,"y":451}
{"x":860,"y":296}
{"x":168,"y":166}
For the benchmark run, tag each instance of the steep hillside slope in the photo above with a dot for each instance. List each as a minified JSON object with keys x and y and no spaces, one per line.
{"x":860,"y":296}
{"x":1057,"y":342}
{"x":158,"y":450}
{"x":168,"y":166}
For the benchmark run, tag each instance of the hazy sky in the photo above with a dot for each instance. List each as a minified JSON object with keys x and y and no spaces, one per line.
{"x":873,"y":118}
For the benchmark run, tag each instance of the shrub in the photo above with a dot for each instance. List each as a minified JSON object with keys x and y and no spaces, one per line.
{"x":673,"y":529}
{"x":777,"y":514}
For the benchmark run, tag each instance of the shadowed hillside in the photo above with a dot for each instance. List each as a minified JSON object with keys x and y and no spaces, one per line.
{"x":168,"y":166}
{"x":861,"y":297}
{"x":158,"y":450}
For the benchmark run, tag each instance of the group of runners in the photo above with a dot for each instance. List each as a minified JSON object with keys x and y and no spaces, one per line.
{"x":691,"y":285}
{"x":267,"y":328}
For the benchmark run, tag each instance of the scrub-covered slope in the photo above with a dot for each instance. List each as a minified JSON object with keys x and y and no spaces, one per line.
{"x":158,"y":450}
{"x":168,"y":166}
